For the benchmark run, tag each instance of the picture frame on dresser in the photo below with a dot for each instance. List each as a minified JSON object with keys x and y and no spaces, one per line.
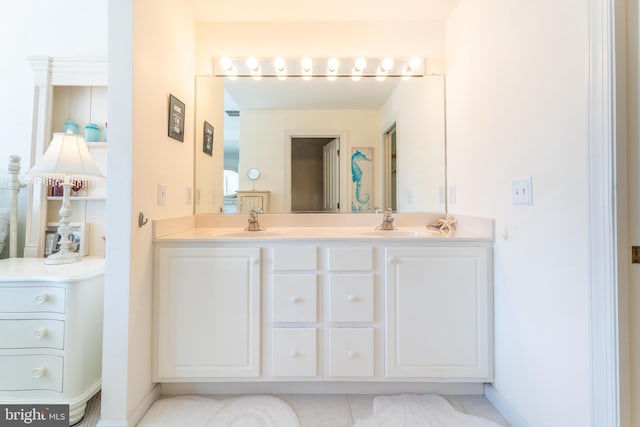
{"x":78,"y":236}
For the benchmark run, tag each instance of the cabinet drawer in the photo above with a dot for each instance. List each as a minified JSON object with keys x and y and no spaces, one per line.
{"x":295,"y":258}
{"x":295,"y":298}
{"x":32,"y":299}
{"x":351,"y":352}
{"x":351,"y":298}
{"x":32,"y":333}
{"x":351,"y":259}
{"x":294,"y":352}
{"x":31,"y":372}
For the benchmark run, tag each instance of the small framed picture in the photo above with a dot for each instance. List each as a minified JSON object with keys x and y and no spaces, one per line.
{"x":77,"y":236}
{"x":176,"y":118}
{"x":207,"y":139}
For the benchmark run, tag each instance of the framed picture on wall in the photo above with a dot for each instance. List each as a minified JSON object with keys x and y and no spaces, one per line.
{"x":362,"y":179}
{"x":207,"y":139}
{"x":176,"y":118}
{"x":77,"y":236}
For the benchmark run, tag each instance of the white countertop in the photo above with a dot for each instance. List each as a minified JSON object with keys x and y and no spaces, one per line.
{"x":35,"y":270}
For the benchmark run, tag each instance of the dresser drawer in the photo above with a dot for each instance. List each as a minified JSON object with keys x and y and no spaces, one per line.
{"x":294,"y":352}
{"x":351,"y":352}
{"x":32,"y":299}
{"x":295,"y":298}
{"x":351,"y":259}
{"x":351,"y":298}
{"x":32,"y":333}
{"x":31,"y":372}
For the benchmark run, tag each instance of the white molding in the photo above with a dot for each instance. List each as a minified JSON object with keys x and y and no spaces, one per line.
{"x":505,"y":409}
{"x":602,"y":222}
{"x":137,"y":414}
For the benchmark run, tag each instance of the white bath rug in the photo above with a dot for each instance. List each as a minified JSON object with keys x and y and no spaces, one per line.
{"x":427,"y":410}
{"x":195,"y":411}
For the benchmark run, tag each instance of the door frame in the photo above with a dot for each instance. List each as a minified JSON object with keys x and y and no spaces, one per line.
{"x":341,"y":135}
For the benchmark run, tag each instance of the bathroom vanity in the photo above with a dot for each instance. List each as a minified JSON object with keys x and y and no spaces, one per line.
{"x":322,"y":299}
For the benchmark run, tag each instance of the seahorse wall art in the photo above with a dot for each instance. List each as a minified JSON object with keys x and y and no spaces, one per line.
{"x":360,"y":201}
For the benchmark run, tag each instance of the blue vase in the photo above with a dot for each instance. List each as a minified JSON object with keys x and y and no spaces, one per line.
{"x":71,"y":125}
{"x":91,"y":132}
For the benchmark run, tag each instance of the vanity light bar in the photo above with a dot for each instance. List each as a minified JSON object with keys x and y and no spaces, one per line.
{"x":331,"y":68}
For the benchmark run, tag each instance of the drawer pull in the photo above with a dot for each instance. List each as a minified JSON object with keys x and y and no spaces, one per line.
{"x":294,"y":354}
{"x":39,"y":372}
{"x":41,"y":298}
{"x":351,"y":354}
{"x":40,"y":333}
{"x":353,"y":298}
{"x":295,"y":300}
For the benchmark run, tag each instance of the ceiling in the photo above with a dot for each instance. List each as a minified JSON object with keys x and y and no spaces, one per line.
{"x":325,"y":10}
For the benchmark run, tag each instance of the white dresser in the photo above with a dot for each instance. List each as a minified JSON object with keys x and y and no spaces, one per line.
{"x":51,"y":332}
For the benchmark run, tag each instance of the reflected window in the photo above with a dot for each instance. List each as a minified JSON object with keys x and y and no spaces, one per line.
{"x":231,"y":182}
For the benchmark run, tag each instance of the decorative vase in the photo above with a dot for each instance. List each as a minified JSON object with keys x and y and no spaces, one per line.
{"x":70,"y":124}
{"x":91,"y":132}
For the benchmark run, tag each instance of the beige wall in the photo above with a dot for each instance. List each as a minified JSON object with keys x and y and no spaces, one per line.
{"x":517,"y":107}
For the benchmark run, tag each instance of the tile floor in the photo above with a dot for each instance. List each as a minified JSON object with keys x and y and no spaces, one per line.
{"x":341,"y":410}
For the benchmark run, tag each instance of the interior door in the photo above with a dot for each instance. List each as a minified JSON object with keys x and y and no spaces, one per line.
{"x":331,"y":176}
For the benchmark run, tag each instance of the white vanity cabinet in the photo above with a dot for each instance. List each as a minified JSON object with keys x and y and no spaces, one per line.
{"x":207,"y":313}
{"x":439,"y":313}
{"x":51,"y":332}
{"x":323,"y":310}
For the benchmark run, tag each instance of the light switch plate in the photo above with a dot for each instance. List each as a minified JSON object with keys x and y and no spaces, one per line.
{"x":162,"y":194}
{"x":522,"y":191}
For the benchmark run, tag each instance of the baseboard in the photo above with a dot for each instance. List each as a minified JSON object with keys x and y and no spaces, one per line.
{"x":143,"y":407}
{"x":135,"y":417}
{"x":501,"y":404}
{"x":324,"y":387}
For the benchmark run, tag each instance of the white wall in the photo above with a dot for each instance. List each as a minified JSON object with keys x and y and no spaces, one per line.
{"x":75,"y":28}
{"x":272,"y":154}
{"x":151,"y":56}
{"x":517,"y":107}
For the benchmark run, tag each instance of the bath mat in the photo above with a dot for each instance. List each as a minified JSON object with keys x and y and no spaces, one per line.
{"x":427,"y":410}
{"x":195,"y":411}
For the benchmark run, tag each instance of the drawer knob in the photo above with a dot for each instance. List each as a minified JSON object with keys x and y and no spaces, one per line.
{"x":294,"y":354}
{"x":352,"y":298}
{"x":296,"y":300}
{"x":41,"y":298}
{"x":40,"y":333}
{"x":351,"y":354}
{"x":39,"y":372}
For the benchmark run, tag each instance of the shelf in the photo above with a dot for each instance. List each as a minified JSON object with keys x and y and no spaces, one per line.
{"x":99,"y":144}
{"x":72,"y":198}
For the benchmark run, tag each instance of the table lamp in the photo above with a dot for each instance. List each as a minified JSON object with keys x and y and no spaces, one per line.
{"x":67,"y":161}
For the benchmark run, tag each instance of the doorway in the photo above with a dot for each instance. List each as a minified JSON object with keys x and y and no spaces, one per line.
{"x":390,"y":169}
{"x":315,"y":177}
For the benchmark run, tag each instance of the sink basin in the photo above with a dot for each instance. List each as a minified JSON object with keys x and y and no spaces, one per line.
{"x":404,"y":233}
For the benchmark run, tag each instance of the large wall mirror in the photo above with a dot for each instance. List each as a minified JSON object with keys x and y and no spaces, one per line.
{"x":321,"y":146}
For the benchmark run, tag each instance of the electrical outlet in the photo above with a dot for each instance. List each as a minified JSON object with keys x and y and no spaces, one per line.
{"x":162,"y":194}
{"x":521,"y":192}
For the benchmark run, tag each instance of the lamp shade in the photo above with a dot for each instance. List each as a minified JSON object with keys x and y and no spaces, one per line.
{"x":66,"y":157}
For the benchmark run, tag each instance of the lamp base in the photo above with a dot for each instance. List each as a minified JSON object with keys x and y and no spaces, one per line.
{"x":62,"y":258}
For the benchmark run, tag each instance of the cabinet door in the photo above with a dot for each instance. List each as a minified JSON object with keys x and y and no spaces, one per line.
{"x":208,"y":313}
{"x":438,"y":320}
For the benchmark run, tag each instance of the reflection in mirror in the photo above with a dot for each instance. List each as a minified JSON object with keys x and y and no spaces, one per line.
{"x":331,"y":146}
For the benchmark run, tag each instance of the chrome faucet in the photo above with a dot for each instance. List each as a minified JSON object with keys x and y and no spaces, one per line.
{"x":387,"y":221}
{"x":254,"y":225}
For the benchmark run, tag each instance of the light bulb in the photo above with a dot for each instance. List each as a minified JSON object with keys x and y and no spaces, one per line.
{"x":387,"y":64}
{"x":280,"y":64}
{"x":306,"y":64}
{"x":252,"y":63}
{"x":226,"y":64}
{"x":414,"y":63}
{"x":332,"y":65}
{"x":360,"y":64}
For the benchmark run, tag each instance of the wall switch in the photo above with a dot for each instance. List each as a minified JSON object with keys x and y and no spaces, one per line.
{"x":188,"y":198}
{"x":409,"y":198}
{"x":198,"y":196}
{"x":162,"y":194}
{"x":451,"y":197}
{"x":521,"y":192}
